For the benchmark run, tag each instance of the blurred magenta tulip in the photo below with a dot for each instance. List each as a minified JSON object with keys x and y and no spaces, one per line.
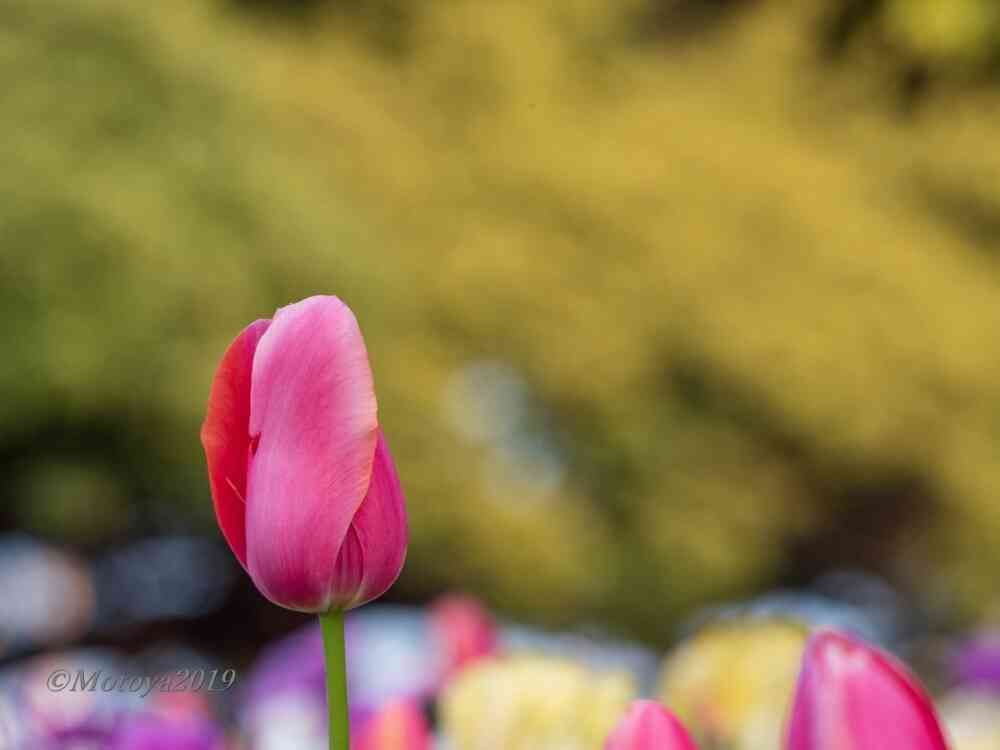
{"x":850,"y":696}
{"x":649,"y":726}
{"x":304,"y":488}
{"x":464,"y":632}
{"x":398,"y":726}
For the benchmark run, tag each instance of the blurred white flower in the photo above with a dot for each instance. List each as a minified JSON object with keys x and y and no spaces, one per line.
{"x":972,"y":720}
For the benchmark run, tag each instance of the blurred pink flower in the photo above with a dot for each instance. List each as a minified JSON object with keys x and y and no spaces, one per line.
{"x":850,"y":696}
{"x":181,"y":704}
{"x":398,"y":726}
{"x":649,"y":726}
{"x":464,"y":632}
{"x":305,"y":491}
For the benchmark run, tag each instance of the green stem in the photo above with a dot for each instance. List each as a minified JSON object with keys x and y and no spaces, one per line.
{"x":332,"y":624}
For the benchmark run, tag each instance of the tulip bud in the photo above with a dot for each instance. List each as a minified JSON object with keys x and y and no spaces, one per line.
{"x":398,"y":726}
{"x":851,"y":696}
{"x":305,"y":491}
{"x":649,"y":726}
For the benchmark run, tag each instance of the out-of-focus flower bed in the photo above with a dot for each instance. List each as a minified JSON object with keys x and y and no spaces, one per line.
{"x":455,"y":675}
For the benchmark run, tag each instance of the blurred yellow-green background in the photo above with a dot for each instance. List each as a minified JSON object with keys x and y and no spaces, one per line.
{"x":669,"y":302}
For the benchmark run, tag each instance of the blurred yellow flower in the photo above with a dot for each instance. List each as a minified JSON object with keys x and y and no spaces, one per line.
{"x":533,"y":703}
{"x":732,"y":683}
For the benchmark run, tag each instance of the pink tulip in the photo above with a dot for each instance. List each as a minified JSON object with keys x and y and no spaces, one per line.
{"x":649,"y":726}
{"x":464,"y":631}
{"x":398,"y":726}
{"x":304,"y":488}
{"x":850,"y":696}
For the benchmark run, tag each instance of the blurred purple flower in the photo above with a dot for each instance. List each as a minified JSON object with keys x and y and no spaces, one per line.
{"x":391,"y":657}
{"x":96,"y":737}
{"x":293,"y":665}
{"x":976,"y":663}
{"x":152,"y":731}
{"x":284,"y":701}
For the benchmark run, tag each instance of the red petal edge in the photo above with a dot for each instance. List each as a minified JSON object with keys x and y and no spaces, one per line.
{"x":226,"y":439}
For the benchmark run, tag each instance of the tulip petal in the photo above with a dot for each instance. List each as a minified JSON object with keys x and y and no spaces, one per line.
{"x":225,"y":436}
{"x":375,"y":546}
{"x":649,"y":726}
{"x":313,"y":425}
{"x":852,"y":697}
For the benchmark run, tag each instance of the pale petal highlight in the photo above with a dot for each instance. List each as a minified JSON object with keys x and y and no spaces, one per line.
{"x":313,"y":420}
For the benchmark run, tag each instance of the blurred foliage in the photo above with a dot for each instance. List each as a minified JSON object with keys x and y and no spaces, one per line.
{"x":750,"y":309}
{"x":917,"y":45}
